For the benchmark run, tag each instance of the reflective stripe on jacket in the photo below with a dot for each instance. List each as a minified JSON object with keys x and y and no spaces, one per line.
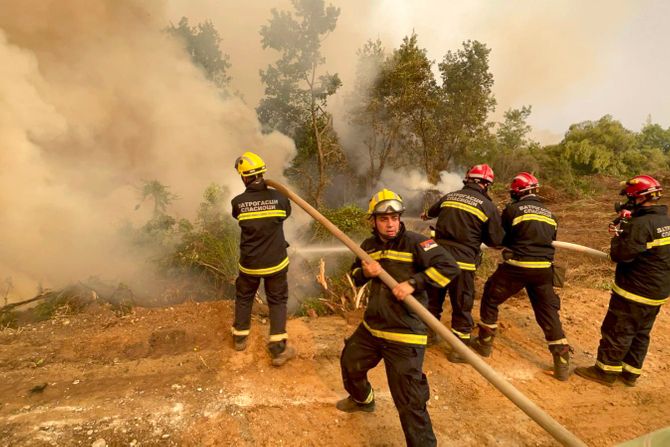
{"x":465,"y":219}
{"x":408,"y":255}
{"x":642,"y":254}
{"x":530,"y":228}
{"x":261,"y":212}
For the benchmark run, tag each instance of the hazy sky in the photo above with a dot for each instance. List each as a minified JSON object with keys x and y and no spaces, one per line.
{"x":571,"y":60}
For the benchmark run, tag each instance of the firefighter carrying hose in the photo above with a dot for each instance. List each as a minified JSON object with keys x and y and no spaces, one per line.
{"x":465,"y":219}
{"x":389,"y":330}
{"x":261,"y":212}
{"x":641,"y":249}
{"x":530,"y":228}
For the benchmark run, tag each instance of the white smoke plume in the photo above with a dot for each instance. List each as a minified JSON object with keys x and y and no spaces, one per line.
{"x":94,"y":99}
{"x":412,"y":185}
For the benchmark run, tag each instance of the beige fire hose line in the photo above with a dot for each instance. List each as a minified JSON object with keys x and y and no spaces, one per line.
{"x":560,"y":433}
{"x":580,"y":249}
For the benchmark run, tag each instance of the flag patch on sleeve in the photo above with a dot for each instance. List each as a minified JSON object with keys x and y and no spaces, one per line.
{"x":428,"y":244}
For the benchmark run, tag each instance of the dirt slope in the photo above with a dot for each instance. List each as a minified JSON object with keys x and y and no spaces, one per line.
{"x":170,"y":377}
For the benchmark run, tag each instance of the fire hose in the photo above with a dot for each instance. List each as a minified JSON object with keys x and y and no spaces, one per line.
{"x":555,"y":429}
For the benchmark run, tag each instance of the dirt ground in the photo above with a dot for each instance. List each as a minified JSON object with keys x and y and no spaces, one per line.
{"x":170,"y":377}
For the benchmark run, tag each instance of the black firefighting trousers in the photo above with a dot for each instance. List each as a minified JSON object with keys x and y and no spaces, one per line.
{"x":508,"y":280}
{"x":625,"y":336}
{"x":276,"y":291}
{"x":462,"y":295}
{"x":408,"y":385}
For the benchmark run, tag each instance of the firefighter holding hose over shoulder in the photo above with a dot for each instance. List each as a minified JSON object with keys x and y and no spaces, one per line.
{"x":261,"y":212}
{"x":530,"y":228}
{"x":641,"y":249}
{"x":465,"y":219}
{"x":389,"y":331}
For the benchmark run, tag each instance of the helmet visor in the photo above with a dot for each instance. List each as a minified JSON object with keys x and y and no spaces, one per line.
{"x":388,"y":207}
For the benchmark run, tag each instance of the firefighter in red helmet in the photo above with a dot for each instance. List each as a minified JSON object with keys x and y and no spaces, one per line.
{"x":530,"y":228}
{"x":641,"y":249}
{"x":465,"y":219}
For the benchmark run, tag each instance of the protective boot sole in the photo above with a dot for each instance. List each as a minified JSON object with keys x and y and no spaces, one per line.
{"x":591,"y":374}
{"x":347,"y":405}
{"x":288,"y":353}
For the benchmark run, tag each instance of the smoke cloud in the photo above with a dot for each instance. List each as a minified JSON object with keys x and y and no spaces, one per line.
{"x":94,"y":99}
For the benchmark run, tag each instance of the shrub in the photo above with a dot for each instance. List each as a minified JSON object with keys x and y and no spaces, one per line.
{"x":351,"y":219}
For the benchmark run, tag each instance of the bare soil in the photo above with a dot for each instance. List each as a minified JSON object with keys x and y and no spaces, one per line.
{"x":170,"y":376}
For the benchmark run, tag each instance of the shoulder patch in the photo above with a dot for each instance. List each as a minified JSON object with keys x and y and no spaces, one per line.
{"x":428,"y":244}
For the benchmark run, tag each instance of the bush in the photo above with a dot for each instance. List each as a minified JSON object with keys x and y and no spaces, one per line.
{"x":351,"y":219}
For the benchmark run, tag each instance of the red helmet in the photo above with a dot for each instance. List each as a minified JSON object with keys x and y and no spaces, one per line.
{"x":480,"y":173}
{"x":640,"y":186}
{"x":523,"y":182}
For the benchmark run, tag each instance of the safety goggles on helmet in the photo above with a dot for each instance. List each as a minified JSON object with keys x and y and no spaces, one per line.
{"x":388,"y":207}
{"x":385,"y":202}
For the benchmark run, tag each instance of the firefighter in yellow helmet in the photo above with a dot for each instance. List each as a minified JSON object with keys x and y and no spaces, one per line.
{"x":261,"y":212}
{"x":389,"y":330}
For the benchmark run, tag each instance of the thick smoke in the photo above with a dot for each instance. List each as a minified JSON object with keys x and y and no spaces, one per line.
{"x":94,"y":99}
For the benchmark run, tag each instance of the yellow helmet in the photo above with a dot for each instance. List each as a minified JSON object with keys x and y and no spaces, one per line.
{"x":250,"y":164}
{"x":385,"y":202}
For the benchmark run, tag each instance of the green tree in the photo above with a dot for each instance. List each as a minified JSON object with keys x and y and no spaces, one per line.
{"x":202,"y":43}
{"x":512,"y":149}
{"x":653,"y":136}
{"x":296,"y":92}
{"x":159,"y":193}
{"x":601,"y":147}
{"x":407,"y":90}
{"x":466,"y":101}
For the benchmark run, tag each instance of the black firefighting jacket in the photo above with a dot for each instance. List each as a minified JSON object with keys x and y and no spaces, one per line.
{"x":465,"y":219}
{"x":642,"y":254}
{"x":530,"y":228}
{"x":408,"y":255}
{"x":261,"y":212}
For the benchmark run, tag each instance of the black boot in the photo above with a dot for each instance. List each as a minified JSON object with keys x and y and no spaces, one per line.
{"x":561,"y":355}
{"x":596,"y":374}
{"x":348,"y":405}
{"x":287,"y":354}
{"x":240,"y":342}
{"x":629,"y":379}
{"x":483,"y":343}
{"x":455,"y":357}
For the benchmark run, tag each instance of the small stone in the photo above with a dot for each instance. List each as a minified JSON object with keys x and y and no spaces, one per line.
{"x":165,"y":436}
{"x":100,"y":442}
{"x":76,"y":382}
{"x":90,"y":432}
{"x":133,"y":443}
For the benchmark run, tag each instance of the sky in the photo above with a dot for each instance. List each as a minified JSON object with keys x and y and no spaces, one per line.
{"x":570,"y":60}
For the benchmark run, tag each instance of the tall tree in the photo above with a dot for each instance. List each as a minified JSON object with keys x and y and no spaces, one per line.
{"x":408,"y":93}
{"x":202,"y":43}
{"x":297,"y":92}
{"x":466,"y":101}
{"x":512,"y":148}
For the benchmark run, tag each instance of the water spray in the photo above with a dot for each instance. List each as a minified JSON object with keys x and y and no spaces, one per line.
{"x":555,"y":429}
